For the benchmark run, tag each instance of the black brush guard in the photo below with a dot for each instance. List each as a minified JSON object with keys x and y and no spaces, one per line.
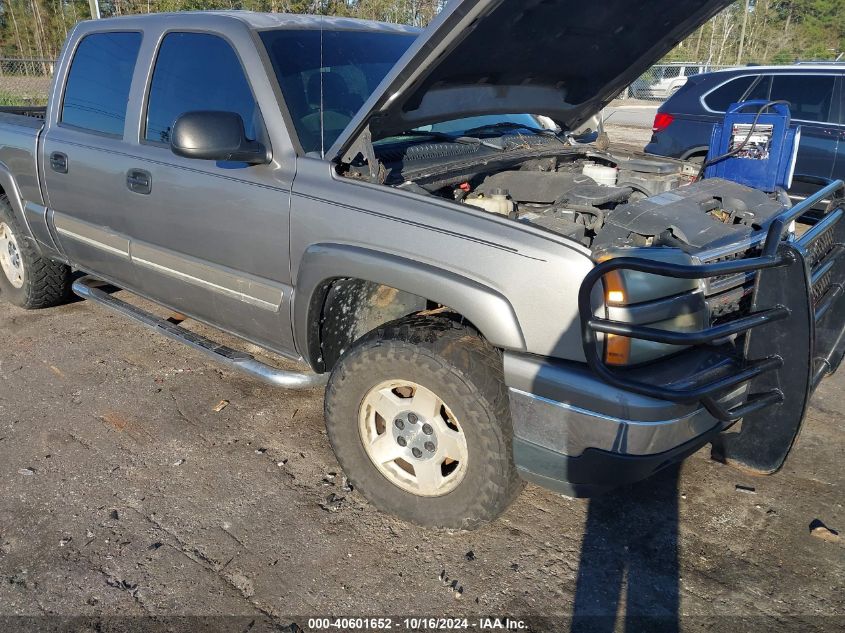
{"x":793,"y":335}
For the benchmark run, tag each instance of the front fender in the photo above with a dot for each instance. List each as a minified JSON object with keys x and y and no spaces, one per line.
{"x":487,"y":309}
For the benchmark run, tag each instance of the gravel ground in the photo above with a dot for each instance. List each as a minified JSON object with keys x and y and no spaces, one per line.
{"x":639,"y":115}
{"x":138,"y":479}
{"x":628,"y":136}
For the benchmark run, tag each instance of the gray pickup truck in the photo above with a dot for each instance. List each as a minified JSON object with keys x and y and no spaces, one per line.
{"x":488,"y":300}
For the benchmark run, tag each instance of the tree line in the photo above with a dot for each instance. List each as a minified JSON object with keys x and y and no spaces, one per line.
{"x":749,"y":31}
{"x":37,"y":28}
{"x":768,"y":32}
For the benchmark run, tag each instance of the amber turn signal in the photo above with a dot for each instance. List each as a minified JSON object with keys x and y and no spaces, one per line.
{"x":617,"y":349}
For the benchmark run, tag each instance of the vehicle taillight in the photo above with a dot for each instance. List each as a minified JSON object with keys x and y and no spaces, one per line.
{"x":662,"y":121}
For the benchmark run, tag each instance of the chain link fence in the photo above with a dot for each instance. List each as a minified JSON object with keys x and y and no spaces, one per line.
{"x":661,"y":81}
{"x":25,"y":82}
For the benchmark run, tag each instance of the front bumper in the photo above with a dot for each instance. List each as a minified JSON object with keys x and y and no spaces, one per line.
{"x":576,"y":435}
{"x":584,"y":429}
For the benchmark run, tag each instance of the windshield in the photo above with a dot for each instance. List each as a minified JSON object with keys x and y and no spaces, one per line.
{"x":352,"y":66}
{"x":459,"y":127}
{"x":475,"y":128}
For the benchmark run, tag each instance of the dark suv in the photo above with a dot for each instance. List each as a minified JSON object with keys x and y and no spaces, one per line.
{"x":816,"y":94}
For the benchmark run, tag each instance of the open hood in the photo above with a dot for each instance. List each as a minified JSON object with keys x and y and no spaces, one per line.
{"x":565,"y":59}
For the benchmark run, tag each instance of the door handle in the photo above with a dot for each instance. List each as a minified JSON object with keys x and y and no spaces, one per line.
{"x":58,"y":162}
{"x":139,"y":181}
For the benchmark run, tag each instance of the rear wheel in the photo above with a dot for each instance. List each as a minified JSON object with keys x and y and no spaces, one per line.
{"x":27,"y":280}
{"x":417,"y":413}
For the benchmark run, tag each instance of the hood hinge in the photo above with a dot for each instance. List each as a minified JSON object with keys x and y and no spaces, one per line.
{"x":363,"y":145}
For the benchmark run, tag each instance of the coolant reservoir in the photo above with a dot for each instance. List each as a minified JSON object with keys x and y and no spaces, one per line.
{"x":600,"y":173}
{"x":496,"y":201}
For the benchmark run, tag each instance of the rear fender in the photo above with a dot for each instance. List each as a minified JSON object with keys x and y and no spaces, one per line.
{"x":31,"y":216}
{"x":695,"y":151}
{"x":10,"y":188}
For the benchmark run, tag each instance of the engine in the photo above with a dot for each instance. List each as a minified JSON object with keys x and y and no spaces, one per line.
{"x":705,"y":214}
{"x":571,"y":198}
{"x":603,"y":200}
{"x":630,"y":203}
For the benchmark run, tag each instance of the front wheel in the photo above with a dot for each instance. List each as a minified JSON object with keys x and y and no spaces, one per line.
{"x":27,"y":280}
{"x":418,"y":416}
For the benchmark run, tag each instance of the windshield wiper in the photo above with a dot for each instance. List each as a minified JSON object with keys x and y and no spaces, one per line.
{"x":463,"y":139}
{"x":509,"y":125}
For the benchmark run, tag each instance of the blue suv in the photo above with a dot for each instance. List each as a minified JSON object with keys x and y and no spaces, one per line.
{"x":816,"y":94}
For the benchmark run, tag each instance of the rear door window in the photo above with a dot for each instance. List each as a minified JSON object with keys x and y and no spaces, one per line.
{"x":98,"y":83}
{"x":809,"y":96}
{"x":197,"y":71}
{"x":731,"y":92}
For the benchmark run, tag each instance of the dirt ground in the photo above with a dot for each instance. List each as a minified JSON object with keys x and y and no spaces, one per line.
{"x":125,"y":493}
{"x":629,"y":136}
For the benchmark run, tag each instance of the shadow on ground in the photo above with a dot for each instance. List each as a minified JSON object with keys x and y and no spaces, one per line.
{"x":629,"y":566}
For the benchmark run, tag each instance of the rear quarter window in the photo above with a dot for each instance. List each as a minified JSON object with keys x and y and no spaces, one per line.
{"x":731,"y":92}
{"x":98,"y":83}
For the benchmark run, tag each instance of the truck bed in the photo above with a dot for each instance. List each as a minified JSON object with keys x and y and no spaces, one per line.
{"x":20,"y":128}
{"x":35,"y":112}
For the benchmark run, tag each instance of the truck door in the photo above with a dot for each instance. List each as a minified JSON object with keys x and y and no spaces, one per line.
{"x":83,"y":155}
{"x":211,"y":239}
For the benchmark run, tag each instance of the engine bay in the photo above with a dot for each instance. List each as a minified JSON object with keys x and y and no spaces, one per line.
{"x":598,"y":199}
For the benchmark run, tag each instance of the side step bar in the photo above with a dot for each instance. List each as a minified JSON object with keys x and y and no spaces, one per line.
{"x":91,"y":288}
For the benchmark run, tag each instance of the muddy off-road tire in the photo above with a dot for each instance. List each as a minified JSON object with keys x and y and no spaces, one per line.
{"x":417,"y":413}
{"x":27,"y":280}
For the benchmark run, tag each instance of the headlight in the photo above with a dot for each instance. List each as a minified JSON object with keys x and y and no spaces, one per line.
{"x":653,"y":300}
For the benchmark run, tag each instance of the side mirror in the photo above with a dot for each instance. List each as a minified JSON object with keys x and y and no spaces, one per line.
{"x":213,"y":135}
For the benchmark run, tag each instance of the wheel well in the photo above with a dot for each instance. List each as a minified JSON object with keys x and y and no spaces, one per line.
{"x":343,"y":310}
{"x":696,"y":154}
